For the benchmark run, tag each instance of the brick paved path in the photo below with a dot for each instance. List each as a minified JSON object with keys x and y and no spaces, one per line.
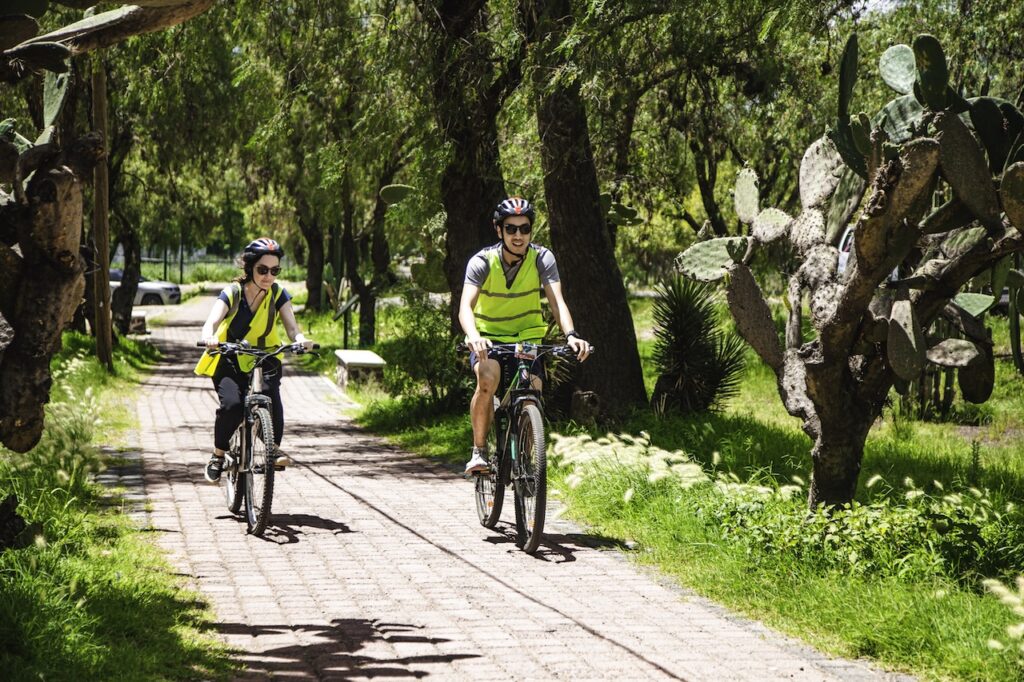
{"x":375,"y":565}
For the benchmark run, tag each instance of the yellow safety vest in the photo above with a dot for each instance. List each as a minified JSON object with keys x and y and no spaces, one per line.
{"x":262,"y":330}
{"x":508,"y":314}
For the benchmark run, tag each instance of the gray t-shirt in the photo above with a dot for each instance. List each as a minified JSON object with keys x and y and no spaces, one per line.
{"x":479,"y":267}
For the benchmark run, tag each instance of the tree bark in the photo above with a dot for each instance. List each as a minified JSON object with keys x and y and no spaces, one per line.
{"x":314,"y":235}
{"x":101,"y":221}
{"x":123,"y":299}
{"x":591,"y":280}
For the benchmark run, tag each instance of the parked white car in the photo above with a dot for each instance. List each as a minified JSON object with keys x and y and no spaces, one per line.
{"x":149,"y":292}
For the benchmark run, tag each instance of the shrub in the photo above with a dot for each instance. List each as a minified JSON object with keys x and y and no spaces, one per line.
{"x":421,"y":358}
{"x":699,"y":365}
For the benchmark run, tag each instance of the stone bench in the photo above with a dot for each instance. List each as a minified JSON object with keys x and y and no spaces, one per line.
{"x":358,"y":366}
{"x":137,"y":325}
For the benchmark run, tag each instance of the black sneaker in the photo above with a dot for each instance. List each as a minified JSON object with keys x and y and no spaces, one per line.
{"x":213,"y":468}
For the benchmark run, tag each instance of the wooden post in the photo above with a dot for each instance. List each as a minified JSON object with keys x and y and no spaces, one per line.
{"x":100,"y":218}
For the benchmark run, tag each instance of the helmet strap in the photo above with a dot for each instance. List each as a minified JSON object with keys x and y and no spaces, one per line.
{"x":504,"y":247}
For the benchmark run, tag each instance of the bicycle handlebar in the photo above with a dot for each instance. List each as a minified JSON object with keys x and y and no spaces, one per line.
{"x":228,"y":348}
{"x":559,"y":349}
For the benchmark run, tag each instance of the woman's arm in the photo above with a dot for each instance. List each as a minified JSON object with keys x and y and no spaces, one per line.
{"x":217,"y":314}
{"x":291,"y":327}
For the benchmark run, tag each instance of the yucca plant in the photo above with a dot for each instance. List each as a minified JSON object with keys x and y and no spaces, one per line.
{"x":699,"y":364}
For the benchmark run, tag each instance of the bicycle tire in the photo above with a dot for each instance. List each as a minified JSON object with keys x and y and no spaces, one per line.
{"x":259,"y":475}
{"x":489,"y":488}
{"x":530,"y":479}
{"x":234,"y":488}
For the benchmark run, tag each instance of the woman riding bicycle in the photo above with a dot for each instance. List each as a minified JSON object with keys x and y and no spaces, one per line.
{"x":247,"y":311}
{"x":501,"y":302}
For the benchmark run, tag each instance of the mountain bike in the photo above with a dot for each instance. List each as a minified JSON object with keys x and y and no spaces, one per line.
{"x":517,"y":442}
{"x":248,"y":470}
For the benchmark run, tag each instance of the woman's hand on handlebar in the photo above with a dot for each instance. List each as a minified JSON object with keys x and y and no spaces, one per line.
{"x":212,"y":343}
{"x":307,"y":345}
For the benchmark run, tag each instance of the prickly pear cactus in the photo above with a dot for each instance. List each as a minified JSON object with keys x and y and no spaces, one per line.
{"x":921,"y":198}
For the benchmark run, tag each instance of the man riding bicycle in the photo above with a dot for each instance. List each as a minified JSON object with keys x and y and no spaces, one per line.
{"x":247,"y":311}
{"x":501,"y":303}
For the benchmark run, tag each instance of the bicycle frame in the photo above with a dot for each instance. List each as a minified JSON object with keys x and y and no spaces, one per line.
{"x":241,"y":465}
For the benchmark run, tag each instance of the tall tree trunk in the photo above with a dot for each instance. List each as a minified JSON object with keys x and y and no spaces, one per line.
{"x":314,"y":235}
{"x":101,"y":219}
{"x":351,"y":250}
{"x":591,"y":279}
{"x":467,"y":99}
{"x":123,"y":298}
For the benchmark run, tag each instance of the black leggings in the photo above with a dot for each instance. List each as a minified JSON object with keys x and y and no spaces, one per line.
{"x":231,"y":385}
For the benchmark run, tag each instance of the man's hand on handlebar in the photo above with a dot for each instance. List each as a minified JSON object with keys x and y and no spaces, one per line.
{"x":479,"y":346}
{"x":579,"y":346}
{"x":212,"y":343}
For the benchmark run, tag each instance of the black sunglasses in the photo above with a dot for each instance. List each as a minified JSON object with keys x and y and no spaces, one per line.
{"x":522,"y":229}
{"x":263,"y":269}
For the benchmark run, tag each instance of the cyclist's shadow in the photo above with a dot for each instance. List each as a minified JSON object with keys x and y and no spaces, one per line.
{"x":555,"y":547}
{"x":285,"y":529}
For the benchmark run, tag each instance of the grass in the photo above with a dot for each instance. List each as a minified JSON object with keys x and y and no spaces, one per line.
{"x":88,"y":596}
{"x":937,"y":626}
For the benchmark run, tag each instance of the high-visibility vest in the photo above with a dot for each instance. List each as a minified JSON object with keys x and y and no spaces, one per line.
{"x":262,"y":330}
{"x":508,"y":314}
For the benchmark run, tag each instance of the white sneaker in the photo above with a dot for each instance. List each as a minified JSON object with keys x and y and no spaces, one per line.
{"x":477,"y":464}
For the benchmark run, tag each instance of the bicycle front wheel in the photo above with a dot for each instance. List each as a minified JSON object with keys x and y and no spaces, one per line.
{"x":234,"y":490}
{"x":530,"y":479}
{"x":490,"y":490}
{"x":259,"y":475}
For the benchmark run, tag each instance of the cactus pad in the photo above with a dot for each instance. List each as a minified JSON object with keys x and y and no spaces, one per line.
{"x":746,"y":196}
{"x":978,"y":378}
{"x":807,"y":230}
{"x":932,"y":72}
{"x":905,"y":343}
{"x":974,"y":304}
{"x":819,"y":173}
{"x":771,"y":224}
{"x":753,"y":316}
{"x":1011,"y":194}
{"x":845,"y":201}
{"x":707,"y":261}
{"x":392,"y":194}
{"x":899,"y":68}
{"x":961,"y":241}
{"x":953,"y":353}
{"x":847,"y":76}
{"x":900,"y":118}
{"x":964,"y":167}
{"x":993,"y":130}
{"x":820,"y":265}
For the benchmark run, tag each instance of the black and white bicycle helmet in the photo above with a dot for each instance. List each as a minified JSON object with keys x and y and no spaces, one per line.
{"x":513,"y":206}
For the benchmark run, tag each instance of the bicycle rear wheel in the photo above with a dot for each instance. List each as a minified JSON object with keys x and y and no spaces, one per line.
{"x":530,"y":479}
{"x":259,"y":477}
{"x":490,"y":489}
{"x":234,"y":490}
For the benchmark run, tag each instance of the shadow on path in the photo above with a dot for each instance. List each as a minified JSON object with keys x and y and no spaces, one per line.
{"x":336,"y":654}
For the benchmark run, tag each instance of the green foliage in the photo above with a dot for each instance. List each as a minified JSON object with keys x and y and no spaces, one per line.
{"x":699,"y":365}
{"x":87,"y":597}
{"x":421,"y":356}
